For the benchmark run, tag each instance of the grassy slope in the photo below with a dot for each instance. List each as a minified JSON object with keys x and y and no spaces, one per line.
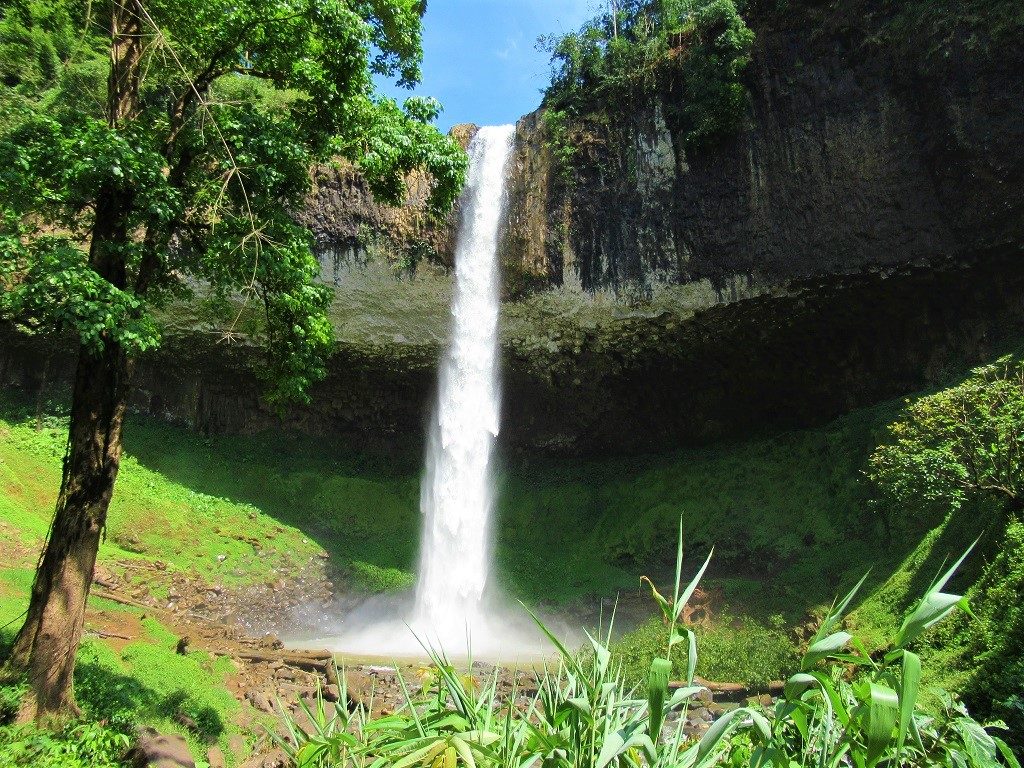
{"x":774,"y":508}
{"x":787,"y":515}
{"x":778,"y":510}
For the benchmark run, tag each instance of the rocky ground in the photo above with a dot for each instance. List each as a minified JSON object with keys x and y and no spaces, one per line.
{"x":237,"y":623}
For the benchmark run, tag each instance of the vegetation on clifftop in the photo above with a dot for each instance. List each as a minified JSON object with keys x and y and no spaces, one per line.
{"x":689,"y":54}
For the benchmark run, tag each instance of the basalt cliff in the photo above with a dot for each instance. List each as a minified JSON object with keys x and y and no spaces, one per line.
{"x":858,"y":238}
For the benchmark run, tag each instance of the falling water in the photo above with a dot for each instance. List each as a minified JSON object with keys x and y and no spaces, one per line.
{"x":456,"y":497}
{"x":452,"y":603}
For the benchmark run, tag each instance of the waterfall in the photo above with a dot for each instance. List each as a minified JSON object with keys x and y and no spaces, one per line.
{"x":457,"y":494}
{"x":452,"y":604}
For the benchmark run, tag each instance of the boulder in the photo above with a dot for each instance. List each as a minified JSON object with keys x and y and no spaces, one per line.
{"x":156,"y":750}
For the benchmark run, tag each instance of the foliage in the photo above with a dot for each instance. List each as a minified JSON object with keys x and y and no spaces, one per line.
{"x":984,"y":654}
{"x":717,"y":43}
{"x":956,"y":445}
{"x":873,"y":716}
{"x":559,"y":140}
{"x":78,"y":745}
{"x":696,"y":51}
{"x":149,"y":682}
{"x":10,"y":700}
{"x":930,"y":32}
{"x":584,"y":716}
{"x":744,"y":651}
{"x":146,"y":683}
{"x":191,"y":180}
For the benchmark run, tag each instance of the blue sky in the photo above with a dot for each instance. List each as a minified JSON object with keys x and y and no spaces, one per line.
{"x":479,"y":57}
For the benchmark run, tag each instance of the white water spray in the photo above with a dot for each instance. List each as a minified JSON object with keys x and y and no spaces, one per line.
{"x":456,"y":497}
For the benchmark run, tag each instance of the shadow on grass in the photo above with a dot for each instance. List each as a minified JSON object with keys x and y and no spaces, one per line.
{"x":122,"y":700}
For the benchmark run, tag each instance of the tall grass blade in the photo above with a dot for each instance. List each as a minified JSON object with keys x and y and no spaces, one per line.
{"x":684,"y":598}
{"x":718,"y":731}
{"x":934,"y":606}
{"x":836,"y":613}
{"x":827,"y":646}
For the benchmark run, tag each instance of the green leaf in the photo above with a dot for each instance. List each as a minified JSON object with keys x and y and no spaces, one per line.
{"x":684,"y":598}
{"x":657,"y":690}
{"x":909,"y":685}
{"x":934,"y":606}
{"x":880,"y":720}
{"x":824,"y":647}
{"x":718,"y":730}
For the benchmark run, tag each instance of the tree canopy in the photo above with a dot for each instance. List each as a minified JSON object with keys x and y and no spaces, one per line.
{"x":695,"y":51}
{"x":206,"y":144}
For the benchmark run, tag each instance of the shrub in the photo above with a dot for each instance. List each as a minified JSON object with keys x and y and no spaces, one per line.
{"x":752,"y":653}
{"x":963,"y":443}
{"x":86,"y":745}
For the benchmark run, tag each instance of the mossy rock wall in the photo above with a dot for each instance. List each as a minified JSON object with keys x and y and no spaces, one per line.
{"x":585,"y":383}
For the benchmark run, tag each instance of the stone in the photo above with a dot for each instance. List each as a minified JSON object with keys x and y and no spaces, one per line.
{"x":260,"y":700}
{"x":275,"y":759}
{"x":331,"y":693}
{"x":215,"y":757}
{"x":155,"y":750}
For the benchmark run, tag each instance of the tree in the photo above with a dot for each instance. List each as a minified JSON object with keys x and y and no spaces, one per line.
{"x":963,"y":443}
{"x":160,"y":159}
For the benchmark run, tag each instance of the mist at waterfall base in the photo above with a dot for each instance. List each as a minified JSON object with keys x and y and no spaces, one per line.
{"x":455,"y":607}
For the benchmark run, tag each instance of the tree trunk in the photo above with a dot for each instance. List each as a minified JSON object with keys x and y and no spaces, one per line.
{"x":45,"y":647}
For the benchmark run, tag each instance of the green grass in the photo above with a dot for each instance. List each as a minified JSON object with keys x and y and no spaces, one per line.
{"x":146,"y":683}
{"x":229,"y":509}
{"x":732,"y":650}
{"x":788,"y":516}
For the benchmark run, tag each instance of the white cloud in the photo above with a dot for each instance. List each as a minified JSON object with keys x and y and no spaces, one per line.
{"x":511,"y":46}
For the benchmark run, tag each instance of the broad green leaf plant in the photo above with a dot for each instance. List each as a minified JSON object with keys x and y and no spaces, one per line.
{"x":844,"y":707}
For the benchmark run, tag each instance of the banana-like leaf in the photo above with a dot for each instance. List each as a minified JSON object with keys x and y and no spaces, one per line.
{"x":909,"y":686}
{"x":619,"y":742}
{"x":464,"y":751}
{"x":795,"y":714}
{"x":797,"y":684}
{"x":579,"y":704}
{"x":934,"y":606}
{"x":762,"y":725}
{"x":718,"y":730}
{"x":691,"y":656}
{"x":682,"y":694}
{"x":932,"y":609}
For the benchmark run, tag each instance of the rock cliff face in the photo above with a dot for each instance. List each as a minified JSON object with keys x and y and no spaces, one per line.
{"x":861,"y":238}
{"x":857,"y":156}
